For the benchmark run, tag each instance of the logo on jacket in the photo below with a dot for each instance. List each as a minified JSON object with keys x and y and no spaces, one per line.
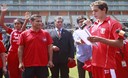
{"x":102,"y":31}
{"x":44,"y":39}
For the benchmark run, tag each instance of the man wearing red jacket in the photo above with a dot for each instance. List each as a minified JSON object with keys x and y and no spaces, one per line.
{"x":35,"y":50}
{"x":106,"y":40}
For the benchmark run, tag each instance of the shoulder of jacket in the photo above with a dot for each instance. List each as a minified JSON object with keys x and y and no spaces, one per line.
{"x":113,"y":21}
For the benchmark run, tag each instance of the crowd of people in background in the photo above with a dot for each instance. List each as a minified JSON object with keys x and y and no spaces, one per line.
{"x":34,"y":52}
{"x":51,"y":25}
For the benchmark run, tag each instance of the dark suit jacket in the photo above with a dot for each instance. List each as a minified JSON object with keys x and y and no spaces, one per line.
{"x":65,"y":43}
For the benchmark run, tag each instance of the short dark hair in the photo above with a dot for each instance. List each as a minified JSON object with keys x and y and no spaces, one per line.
{"x":101,"y":5}
{"x":59,"y":17}
{"x":35,"y":16}
{"x":80,"y":18}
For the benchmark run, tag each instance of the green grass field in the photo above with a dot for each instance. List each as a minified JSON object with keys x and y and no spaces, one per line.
{"x":74,"y":73}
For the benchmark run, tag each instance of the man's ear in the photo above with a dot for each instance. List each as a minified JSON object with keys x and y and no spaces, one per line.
{"x":104,"y":10}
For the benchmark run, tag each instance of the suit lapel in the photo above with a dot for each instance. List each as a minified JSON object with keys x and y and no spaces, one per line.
{"x":62,"y":32}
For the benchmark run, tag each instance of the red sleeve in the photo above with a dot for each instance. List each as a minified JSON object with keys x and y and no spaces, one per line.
{"x":1,"y":36}
{"x":21,"y":39}
{"x":49,"y":38}
{"x":117,"y":26}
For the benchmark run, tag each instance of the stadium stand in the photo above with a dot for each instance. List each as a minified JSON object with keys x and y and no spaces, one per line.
{"x":69,"y":9}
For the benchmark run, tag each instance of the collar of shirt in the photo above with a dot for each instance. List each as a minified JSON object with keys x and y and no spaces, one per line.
{"x":32,"y":31}
{"x":106,"y":19}
{"x":58,"y":29}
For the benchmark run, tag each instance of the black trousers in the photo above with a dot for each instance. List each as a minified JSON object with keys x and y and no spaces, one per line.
{"x":60,"y":68}
{"x":36,"y":71}
{"x":81,"y":71}
{"x":1,"y":72}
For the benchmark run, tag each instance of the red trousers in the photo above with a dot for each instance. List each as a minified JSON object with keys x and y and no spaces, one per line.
{"x":13,"y":64}
{"x":99,"y":72}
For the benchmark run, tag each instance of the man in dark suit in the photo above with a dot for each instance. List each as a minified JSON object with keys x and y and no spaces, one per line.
{"x":63,"y":49}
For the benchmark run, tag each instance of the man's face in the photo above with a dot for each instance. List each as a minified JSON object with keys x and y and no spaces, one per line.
{"x":80,"y":23}
{"x":59,"y":23}
{"x":97,"y":13}
{"x":37,"y":23}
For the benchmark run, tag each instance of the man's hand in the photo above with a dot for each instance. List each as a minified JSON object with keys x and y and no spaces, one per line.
{"x":21,"y":66}
{"x":70,"y":59}
{"x":50,"y":64}
{"x":94,"y":39}
{"x":87,"y":22}
{"x":4,"y":70}
{"x":27,"y":15}
{"x":55,"y":48}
